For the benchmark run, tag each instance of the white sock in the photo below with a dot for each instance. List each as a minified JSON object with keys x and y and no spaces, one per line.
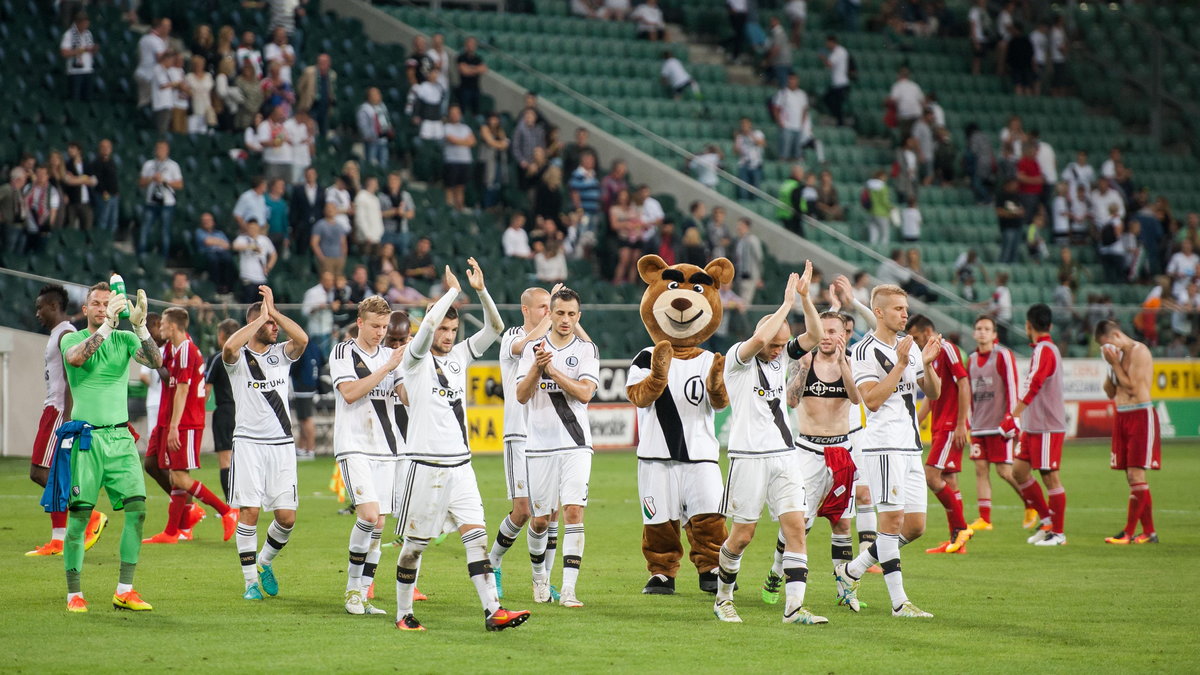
{"x":72,"y":596}
{"x":551,"y":547}
{"x":866,"y":557}
{"x":727,"y":572}
{"x":572,"y":554}
{"x":246,"y":537}
{"x":124,"y":588}
{"x":840,"y":548}
{"x":58,"y":533}
{"x":408,"y":566}
{"x":866,"y":522}
{"x":360,"y":544}
{"x":372,"y":564}
{"x":505,"y":537}
{"x":475,"y":541}
{"x":889,"y":560}
{"x":537,"y":552}
{"x":777,"y":564}
{"x":277,"y":538}
{"x":795,"y":571}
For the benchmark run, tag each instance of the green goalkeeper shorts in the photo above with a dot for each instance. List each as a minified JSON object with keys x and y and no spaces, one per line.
{"x":112,"y":463}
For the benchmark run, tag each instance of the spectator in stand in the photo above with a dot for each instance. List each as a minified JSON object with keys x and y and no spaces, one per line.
{"x":665,"y":245}
{"x":548,"y":197}
{"x":1110,"y":166}
{"x":416,"y":67}
{"x":893,"y":270}
{"x":692,"y":250}
{"x":796,"y":12}
{"x":277,"y":92}
{"x":368,"y":216}
{"x":78,"y":190}
{"x":675,"y":77}
{"x":199,"y":86}
{"x":1010,"y":215}
{"x":1031,"y":180}
{"x":166,"y":88}
{"x":748,"y":144}
{"x":276,"y":144}
{"x":14,"y":210}
{"x":279,"y":51}
{"x":576,"y":149}
{"x":748,"y":252}
{"x":1063,"y":306}
{"x":306,"y":207}
{"x":837,"y":61}
{"x":425,"y":107}
{"x":360,"y":284}
{"x":1021,"y":67}
{"x":1035,"y":238}
{"x":317,"y":305}
{"x":317,"y":92}
{"x":338,"y":194}
{"x":251,"y":204}
{"x":106,"y":192}
{"x":515,"y":240}
{"x":554,"y":146}
{"x":256,"y":258}
{"x":204,"y":45}
{"x":791,"y":211}
{"x":907,"y":179}
{"x":1151,"y":235}
{"x":402,"y":294}
{"x":549,"y":263}
{"x":718,"y":234}
{"x":922,"y":131}
{"x":180,"y":291}
{"x":1005,"y":29}
{"x":945,"y":156}
{"x":470,"y":68}
{"x":778,"y":59}
{"x":910,"y":221}
{"x":43,"y":202}
{"x":1079,"y":172}
{"x":1060,"y":211}
{"x":384,"y":260}
{"x":697,"y":211}
{"x":1039,"y":38}
{"x":1060,"y":78}
{"x":829,"y":206}
{"x":247,"y":52}
{"x":613,"y":183}
{"x":1000,"y":307}
{"x":224,"y":48}
{"x":439,"y":57}
{"x":375,"y":128}
{"x":150,"y":48}
{"x":705,"y":165}
{"x":329,"y":242}
{"x":649,"y":20}
{"x":877,"y":198}
{"x":585,"y":188}
{"x":1081,"y":215}
{"x":625,"y":221}
{"x":458,"y":159}
{"x":527,"y":136}
{"x":397,"y":208}
{"x":419,"y":263}
{"x":300,"y":132}
{"x":79,"y":48}
{"x":1111,"y":245}
{"x":979,"y":162}
{"x":980,"y":29}
{"x":1103,"y":198}
{"x":917,"y":285}
{"x":250,"y":95}
{"x":277,"y":225}
{"x":1183,"y":267}
{"x":494,"y":154}
{"x":615,"y":10}
{"x":214,"y":246}
{"x":652,"y":213}
{"x":183,"y":95}
{"x":1047,"y":162}
{"x":161,"y":178}
{"x":531,"y":176}
{"x":909,"y":100}
{"x":790,"y":109}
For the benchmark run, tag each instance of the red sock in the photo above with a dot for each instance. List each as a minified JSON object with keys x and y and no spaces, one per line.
{"x":1147,"y":513}
{"x":58,"y":519}
{"x":185,"y":512}
{"x":1031,"y":492}
{"x":205,"y":495}
{"x":952,"y":501}
{"x":985,"y":510}
{"x":1058,"y":509}
{"x":177,"y":508}
{"x":1137,"y":501}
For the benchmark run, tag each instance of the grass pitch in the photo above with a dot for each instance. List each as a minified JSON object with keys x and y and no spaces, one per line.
{"x":1005,"y":606}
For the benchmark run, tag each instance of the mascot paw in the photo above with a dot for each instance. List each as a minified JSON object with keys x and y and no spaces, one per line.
{"x":660,"y":362}
{"x":716,"y":374}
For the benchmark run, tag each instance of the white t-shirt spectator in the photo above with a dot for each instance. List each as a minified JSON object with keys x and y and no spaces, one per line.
{"x":1004,"y":25}
{"x":149,"y":47}
{"x":839,"y":67}
{"x":704,"y":166}
{"x":1182,"y":268}
{"x":368,"y":217}
{"x":910,"y":223}
{"x":458,"y":154}
{"x":1080,"y":210}
{"x":978,"y":18}
{"x":252,"y":261}
{"x":250,"y":140}
{"x":270,"y":133}
{"x":910,"y":100}
{"x":84,"y":63}
{"x":176,"y":74}
{"x":1101,"y":202}
{"x":316,"y":307}
{"x":442,"y":58}
{"x":251,"y":206}
{"x":1040,"y":45}
{"x":515,"y":242}
{"x":170,"y":172}
{"x":749,"y":152}
{"x":255,"y":57}
{"x":1109,"y":169}
{"x":1000,"y":305}
{"x":1076,"y":174}
{"x":1058,"y":42}
{"x":273,"y":52}
{"x":1062,"y":217}
{"x":550,"y":269}
{"x":796,"y":10}
{"x":162,"y":95}
{"x":298,"y":139}
{"x":652,"y":212}
{"x":1047,"y":162}
{"x":792,"y":105}
{"x":674,"y":73}
{"x":342,"y":199}
{"x":647,"y":18}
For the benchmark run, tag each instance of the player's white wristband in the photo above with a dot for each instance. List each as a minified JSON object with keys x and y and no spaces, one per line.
{"x":141,"y":332}
{"x":104,"y":330}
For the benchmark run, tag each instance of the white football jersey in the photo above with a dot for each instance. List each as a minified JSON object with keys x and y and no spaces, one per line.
{"x":558,"y":421}
{"x":260,"y":395}
{"x":893,"y":429}
{"x":679,"y":425}
{"x":760,"y":425}
{"x":514,"y":411}
{"x":436,"y":387}
{"x":53,"y":371}
{"x":367,"y":426}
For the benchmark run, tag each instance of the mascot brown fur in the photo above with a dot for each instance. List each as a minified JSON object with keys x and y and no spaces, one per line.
{"x":674,"y":294}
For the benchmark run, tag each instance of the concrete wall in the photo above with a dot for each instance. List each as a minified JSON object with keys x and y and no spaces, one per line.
{"x":26,"y":391}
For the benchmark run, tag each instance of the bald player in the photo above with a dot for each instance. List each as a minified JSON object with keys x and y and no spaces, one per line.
{"x":1136,"y":446}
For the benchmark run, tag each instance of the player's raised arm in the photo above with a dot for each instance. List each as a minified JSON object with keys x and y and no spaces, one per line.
{"x":852,"y":391}
{"x":812,"y":318}
{"x":297,"y":338}
{"x":796,"y":386}
{"x":351,"y":387}
{"x":770,"y":327}
{"x":148,"y":353}
{"x":232,"y":350}
{"x":419,"y":346}
{"x":493,"y":325}
{"x":930,"y":382}
{"x":78,"y":354}
{"x":850,"y":303}
{"x":529,"y":371}
{"x":582,"y":389}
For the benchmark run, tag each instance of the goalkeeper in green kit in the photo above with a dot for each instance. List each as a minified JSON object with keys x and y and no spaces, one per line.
{"x":103,"y":454}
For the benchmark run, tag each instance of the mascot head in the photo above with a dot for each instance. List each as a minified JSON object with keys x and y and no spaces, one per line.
{"x":681,"y":304}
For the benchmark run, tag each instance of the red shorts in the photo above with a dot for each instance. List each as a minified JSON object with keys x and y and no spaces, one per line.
{"x":995,"y":448}
{"x":46,"y":442}
{"x":1043,"y":450}
{"x":186,"y":458}
{"x":942,"y":453}
{"x":1136,"y":442}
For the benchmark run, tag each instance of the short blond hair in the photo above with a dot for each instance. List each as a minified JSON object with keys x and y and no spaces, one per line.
{"x":883,"y":291}
{"x":177,"y":316}
{"x":374,"y":305}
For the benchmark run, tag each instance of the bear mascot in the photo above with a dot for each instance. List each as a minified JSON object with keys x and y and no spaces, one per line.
{"x":677,"y":388}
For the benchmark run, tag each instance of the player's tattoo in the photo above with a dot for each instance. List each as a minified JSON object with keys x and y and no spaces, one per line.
{"x":797,"y":383}
{"x":149,"y":355}
{"x":83,"y":351}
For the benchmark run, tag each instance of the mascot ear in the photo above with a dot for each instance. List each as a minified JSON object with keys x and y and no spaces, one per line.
{"x":650,"y":268}
{"x":721,"y":270}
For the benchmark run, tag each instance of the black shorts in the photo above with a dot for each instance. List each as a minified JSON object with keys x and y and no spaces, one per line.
{"x":303,"y":405}
{"x":1023,"y":77}
{"x":456,"y":175}
{"x":222,"y":428}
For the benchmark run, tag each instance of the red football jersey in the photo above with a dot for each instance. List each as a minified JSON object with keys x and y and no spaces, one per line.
{"x":186,"y":367}
{"x":950,"y":370}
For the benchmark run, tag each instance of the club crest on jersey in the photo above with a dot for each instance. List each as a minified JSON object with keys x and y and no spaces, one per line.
{"x":272,"y":359}
{"x":693,"y":390}
{"x":572,"y":361}
{"x":452,"y":367}
{"x":647,"y":507}
{"x":774,"y":364}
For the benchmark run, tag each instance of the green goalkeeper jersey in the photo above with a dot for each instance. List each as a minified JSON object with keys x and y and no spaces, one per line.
{"x":100,"y":387}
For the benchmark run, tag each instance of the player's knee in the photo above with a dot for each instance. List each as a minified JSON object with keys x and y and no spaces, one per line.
{"x":248,"y":515}
{"x":539,"y":524}
{"x":135,"y":508}
{"x":573,"y":513}
{"x":181,"y":480}
{"x":285,"y":519}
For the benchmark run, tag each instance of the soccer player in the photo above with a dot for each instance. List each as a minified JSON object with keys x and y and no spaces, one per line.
{"x":950,"y":434}
{"x":218,"y":389}
{"x":887,"y":372}
{"x":264,"y":457}
{"x":366,"y":442}
{"x":556,"y":378}
{"x":764,"y":468}
{"x":176,"y":438}
{"x":1136,"y":447}
{"x":103,"y":454}
{"x":438,"y":486}
{"x":51,"y":310}
{"x":1043,"y":424}
{"x":306,"y":373}
{"x":993,"y":372}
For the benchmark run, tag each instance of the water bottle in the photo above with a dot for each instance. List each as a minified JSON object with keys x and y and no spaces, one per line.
{"x":117,"y":284}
